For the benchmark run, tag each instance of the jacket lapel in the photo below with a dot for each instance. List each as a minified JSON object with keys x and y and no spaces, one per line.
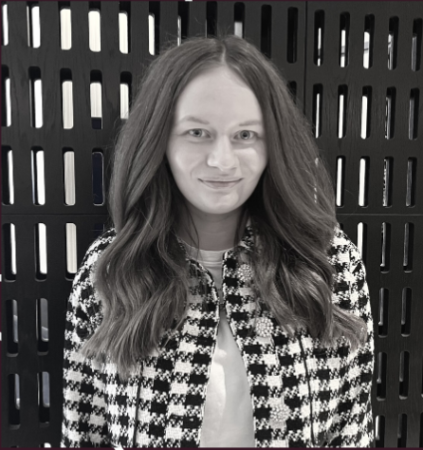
{"x":273,"y":360}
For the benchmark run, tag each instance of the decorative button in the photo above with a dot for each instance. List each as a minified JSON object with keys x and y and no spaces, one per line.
{"x":264,"y":327}
{"x":245,"y":273}
{"x":280,"y":413}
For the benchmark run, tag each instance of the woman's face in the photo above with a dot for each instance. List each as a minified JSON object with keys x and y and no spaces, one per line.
{"x":216,"y":150}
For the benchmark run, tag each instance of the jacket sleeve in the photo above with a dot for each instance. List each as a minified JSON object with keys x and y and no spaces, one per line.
{"x":353,"y":424}
{"x":84,"y":407}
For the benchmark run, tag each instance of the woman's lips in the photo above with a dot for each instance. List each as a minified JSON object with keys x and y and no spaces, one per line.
{"x":220,"y":184}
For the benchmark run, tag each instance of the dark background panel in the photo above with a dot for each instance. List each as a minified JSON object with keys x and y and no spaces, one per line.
{"x":391,"y":430}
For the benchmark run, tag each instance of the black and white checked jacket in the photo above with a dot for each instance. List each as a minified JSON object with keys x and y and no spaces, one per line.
{"x":326,"y":392}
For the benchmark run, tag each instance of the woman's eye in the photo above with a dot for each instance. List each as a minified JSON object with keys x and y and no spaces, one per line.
{"x":246,"y":135}
{"x":196,"y":132}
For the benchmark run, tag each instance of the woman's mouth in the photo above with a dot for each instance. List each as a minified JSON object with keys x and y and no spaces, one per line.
{"x":220,"y":184}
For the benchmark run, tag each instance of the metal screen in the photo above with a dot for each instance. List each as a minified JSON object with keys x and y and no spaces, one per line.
{"x":68,"y":73}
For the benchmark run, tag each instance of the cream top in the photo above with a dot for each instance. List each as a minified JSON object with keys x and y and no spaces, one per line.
{"x":228,"y":415}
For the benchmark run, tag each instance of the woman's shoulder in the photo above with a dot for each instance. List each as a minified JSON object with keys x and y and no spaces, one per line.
{"x":99,"y":244}
{"x":86,"y":267}
{"x":350,"y":287}
{"x":84,"y":304}
{"x":342,"y":250}
{"x":102,"y":241}
{"x":345,"y":257}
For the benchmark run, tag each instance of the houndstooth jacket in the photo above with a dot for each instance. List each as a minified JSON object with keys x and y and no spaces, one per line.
{"x":302,"y":395}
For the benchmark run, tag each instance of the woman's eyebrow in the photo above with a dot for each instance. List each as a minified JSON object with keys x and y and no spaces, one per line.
{"x":196,"y":119}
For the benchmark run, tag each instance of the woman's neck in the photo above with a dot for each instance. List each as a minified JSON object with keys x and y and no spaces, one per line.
{"x":215,"y":231}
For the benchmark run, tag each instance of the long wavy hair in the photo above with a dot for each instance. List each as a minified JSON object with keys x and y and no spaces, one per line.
{"x":142,"y":275}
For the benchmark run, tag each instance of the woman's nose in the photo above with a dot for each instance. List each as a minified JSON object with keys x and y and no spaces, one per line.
{"x":222,"y":155}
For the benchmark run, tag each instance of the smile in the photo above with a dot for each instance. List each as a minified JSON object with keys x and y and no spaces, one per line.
{"x":220,"y":184}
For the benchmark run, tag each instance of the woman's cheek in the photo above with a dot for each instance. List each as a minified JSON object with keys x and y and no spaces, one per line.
{"x":254,"y":160}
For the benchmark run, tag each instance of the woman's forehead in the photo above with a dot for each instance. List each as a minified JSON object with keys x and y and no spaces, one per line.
{"x":218,"y":91}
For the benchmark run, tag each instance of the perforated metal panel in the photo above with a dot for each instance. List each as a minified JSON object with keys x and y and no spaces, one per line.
{"x":362,"y":93}
{"x":336,"y":56}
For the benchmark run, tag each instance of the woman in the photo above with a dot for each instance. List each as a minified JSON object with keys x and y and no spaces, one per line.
{"x":224,"y":306}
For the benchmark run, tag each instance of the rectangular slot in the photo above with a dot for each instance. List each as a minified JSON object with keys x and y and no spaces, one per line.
{"x":96,"y":100}
{"x":416,"y":44}
{"x":363,"y":190}
{"x":369,"y":26}
{"x":390,"y":113}
{"x":183,"y":14}
{"x":413,"y":114}
{"x":408,"y":246}
{"x":5,"y":24}
{"x":317,"y":109}
{"x":44,"y":397}
{"x":344,"y":39}
{"x":406,"y":312}
{"x":383,"y":312}
{"x":98,"y":177}
{"x":266,"y":30}
{"x":362,"y":240}
{"x":393,"y":42}
{"x":9,"y":249}
{"x":69,"y":175}
{"x":12,"y":327}
{"x":292,"y":87}
{"x":380,"y":431}
{"x":404,"y":374}
{"x":239,"y":19}
{"x":151,"y":34}
{"x":125,"y":94}
{"x":124,"y":101}
{"x":8,"y":187}
{"x":388,"y":170}
{"x":402,"y":430}
{"x":71,"y":254}
{"x":6,"y":105}
{"x":40,"y":232}
{"x":292,"y":35}
{"x":14,"y":400}
{"x":35,"y":97}
{"x":38,"y":178}
{"x":381,"y":376}
{"x":42,"y":327}
{"x":319,"y":23}
{"x":65,"y":26}
{"x":411,"y":182}
{"x":340,"y":178}
{"x":94,"y":26}
{"x":211,"y":19}
{"x":386,"y":247}
{"x":33,"y":24}
{"x":67,"y":98}
{"x":124,"y":32}
{"x":154,"y":27}
{"x":179,"y":30}
{"x":342,"y":111}
{"x":365,"y":112}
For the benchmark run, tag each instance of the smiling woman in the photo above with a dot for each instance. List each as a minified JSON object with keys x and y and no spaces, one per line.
{"x":224,"y":306}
